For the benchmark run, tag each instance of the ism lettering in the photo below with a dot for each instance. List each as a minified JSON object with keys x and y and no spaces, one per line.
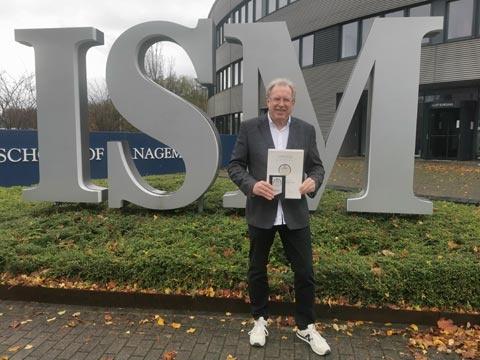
{"x":388,"y":65}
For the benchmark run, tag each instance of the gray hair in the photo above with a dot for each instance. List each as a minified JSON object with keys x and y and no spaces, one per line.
{"x":280,"y":82}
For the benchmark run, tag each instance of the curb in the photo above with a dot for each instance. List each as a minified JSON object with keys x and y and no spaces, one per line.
{"x":430,"y":197}
{"x":202,"y":303}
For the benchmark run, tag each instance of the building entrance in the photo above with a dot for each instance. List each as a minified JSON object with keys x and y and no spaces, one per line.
{"x":450,"y":130}
{"x":444,"y":133}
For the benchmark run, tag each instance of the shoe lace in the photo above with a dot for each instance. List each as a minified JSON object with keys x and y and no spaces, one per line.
{"x":258,"y":327}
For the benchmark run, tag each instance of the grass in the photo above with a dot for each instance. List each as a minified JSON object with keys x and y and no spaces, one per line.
{"x":372,"y":259}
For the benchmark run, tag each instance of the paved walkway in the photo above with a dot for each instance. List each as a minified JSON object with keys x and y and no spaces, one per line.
{"x":45,"y":331}
{"x":447,"y":179}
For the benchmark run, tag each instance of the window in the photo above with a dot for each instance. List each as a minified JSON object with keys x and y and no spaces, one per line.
{"x":241,"y":72}
{"x":229,"y":77}
{"x":258,"y":9}
{"x":250,"y":11}
{"x":282,"y":3}
{"x":236,"y":77}
{"x":296,"y":46}
{"x":307,"y":50}
{"x":220,"y":87}
{"x":460,"y":18}
{"x":237,"y":17}
{"x":366,"y":26}
{"x":272,"y":6}
{"x":399,"y":13}
{"x":244,"y":13}
{"x":422,"y":10}
{"x":349,"y":39}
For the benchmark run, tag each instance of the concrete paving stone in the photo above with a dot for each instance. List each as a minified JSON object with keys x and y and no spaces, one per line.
{"x":65,"y":342}
{"x":79,"y":356}
{"x":143,"y":348}
{"x":50,"y":355}
{"x":212,"y":356}
{"x":116,"y":346}
{"x":155,"y":354}
{"x":228,"y":350}
{"x":216,"y":344}
{"x":97,"y":352}
{"x":198,"y":351}
{"x":69,"y":351}
{"x":124,"y":354}
{"x":189,"y":342}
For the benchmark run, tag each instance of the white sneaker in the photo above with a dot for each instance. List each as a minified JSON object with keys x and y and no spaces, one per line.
{"x":259,"y":332}
{"x":311,"y":336}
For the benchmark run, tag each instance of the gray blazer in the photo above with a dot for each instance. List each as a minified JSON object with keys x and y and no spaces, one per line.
{"x":249,"y":165}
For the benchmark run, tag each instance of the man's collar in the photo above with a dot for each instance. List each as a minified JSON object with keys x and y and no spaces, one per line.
{"x":271,"y":123}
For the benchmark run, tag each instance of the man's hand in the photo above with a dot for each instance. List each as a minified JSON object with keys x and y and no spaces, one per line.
{"x":263,"y":189}
{"x":308,"y":186}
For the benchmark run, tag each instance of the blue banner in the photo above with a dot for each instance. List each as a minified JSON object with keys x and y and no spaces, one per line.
{"x":19,"y":155}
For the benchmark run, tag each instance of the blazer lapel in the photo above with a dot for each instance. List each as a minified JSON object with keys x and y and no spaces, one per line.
{"x":293,"y":133}
{"x":264,"y":129}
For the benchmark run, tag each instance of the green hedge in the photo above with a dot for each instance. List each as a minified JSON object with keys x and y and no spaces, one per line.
{"x":367,"y":258}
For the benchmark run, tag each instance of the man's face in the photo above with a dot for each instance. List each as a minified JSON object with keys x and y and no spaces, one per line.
{"x":280,"y":103}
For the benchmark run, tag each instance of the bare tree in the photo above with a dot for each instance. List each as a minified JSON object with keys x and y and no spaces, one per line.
{"x":102,"y":115}
{"x":155,"y":62}
{"x":17,"y":102}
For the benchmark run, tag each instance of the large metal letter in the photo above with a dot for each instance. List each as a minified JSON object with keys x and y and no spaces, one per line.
{"x":392,"y":50}
{"x":162,"y":115}
{"x":63,"y":140}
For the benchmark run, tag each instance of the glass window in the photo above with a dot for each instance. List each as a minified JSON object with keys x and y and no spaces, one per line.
{"x":296,"y":46}
{"x":222,"y":38}
{"x":258,"y":9}
{"x":422,"y":10}
{"x":241,"y":11}
{"x":237,"y":16}
{"x":244,"y":14}
{"x":307,"y":50}
{"x":235,"y":74}
{"x":221,"y":81}
{"x":250,"y":11}
{"x":282,"y":3}
{"x":349,"y":39}
{"x":241,"y":71}
{"x":272,"y":6}
{"x":460,"y":17}
{"x":366,"y":26}
{"x":224,"y":79}
{"x":229,"y":77}
{"x":398,"y":13}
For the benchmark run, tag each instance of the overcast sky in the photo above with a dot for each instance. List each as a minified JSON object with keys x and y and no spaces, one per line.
{"x":112,"y":17}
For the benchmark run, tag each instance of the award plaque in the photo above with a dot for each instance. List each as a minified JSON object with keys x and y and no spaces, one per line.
{"x":289,"y":165}
{"x":278,"y":183}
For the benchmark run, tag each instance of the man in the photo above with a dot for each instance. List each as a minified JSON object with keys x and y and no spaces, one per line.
{"x":266,"y":214}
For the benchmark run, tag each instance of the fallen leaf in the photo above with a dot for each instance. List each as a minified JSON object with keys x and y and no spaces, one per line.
{"x":335,"y":327}
{"x":28,"y":347}
{"x":192,"y":317}
{"x":171,"y":355}
{"x":108,"y":319}
{"x":413,"y":327}
{"x":77,"y":314}
{"x":62,"y":312}
{"x":159,"y":320}
{"x":228,"y":314}
{"x":231,"y":357}
{"x":51,"y":319}
{"x":14,"y":324}
{"x":284,"y":337}
{"x":72,"y":323}
{"x":191,"y":330}
{"x":25,"y":321}
{"x":244,"y":323}
{"x":176,"y":325}
{"x":14,"y":348}
{"x":388,"y":253}
{"x":389,"y":332}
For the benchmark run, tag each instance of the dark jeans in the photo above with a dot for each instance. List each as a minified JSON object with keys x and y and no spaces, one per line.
{"x":297,"y":246}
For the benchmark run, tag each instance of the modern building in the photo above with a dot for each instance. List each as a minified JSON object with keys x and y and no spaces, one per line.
{"x":328,"y":35}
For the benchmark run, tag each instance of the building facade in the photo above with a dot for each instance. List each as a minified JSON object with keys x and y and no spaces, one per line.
{"x":328,"y":36}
